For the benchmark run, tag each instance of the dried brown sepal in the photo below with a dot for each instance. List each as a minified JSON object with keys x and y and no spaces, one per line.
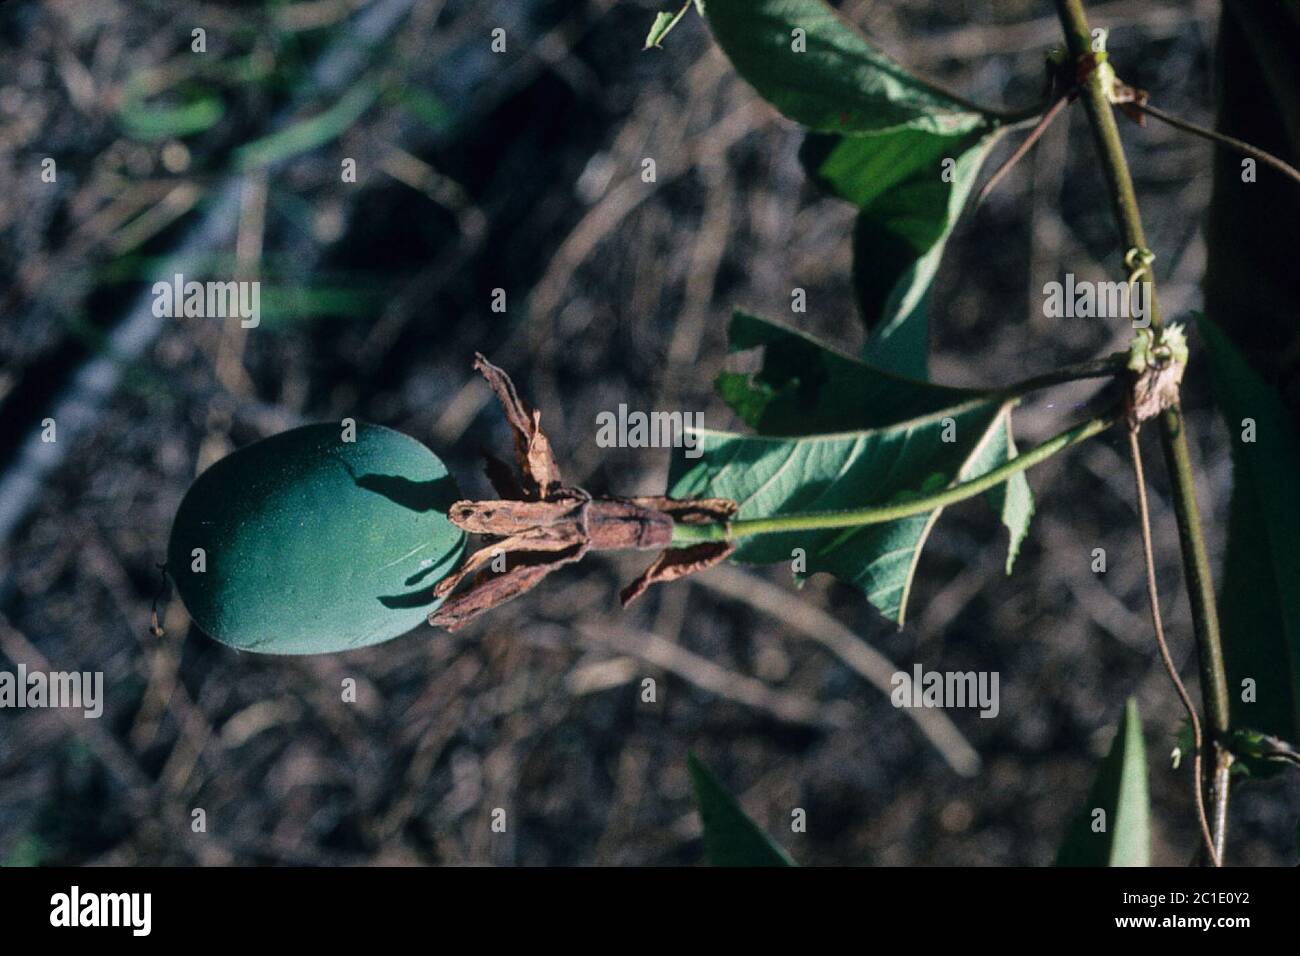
{"x":503,"y":518}
{"x":678,"y":563}
{"x":691,"y":510}
{"x":542,"y":525}
{"x":541,"y":476}
{"x":533,"y":541}
{"x":607,"y":524}
{"x":620,"y":524}
{"x":491,"y":590}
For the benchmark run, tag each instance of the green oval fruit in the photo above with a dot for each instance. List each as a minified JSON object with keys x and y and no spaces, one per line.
{"x":313,"y":544}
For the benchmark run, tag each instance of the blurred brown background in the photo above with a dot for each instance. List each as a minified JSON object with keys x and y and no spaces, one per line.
{"x":521,"y":171}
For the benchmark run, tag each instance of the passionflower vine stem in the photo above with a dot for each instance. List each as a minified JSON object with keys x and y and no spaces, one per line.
{"x":684,"y":534}
{"x":1173,"y":438}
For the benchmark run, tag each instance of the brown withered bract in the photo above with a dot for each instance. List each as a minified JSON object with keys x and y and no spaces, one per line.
{"x":1130,"y":101}
{"x":541,"y":524}
{"x":1156,"y":362}
{"x":1152,"y":392}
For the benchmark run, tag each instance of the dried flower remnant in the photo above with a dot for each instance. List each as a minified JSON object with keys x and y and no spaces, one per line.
{"x":541,"y":524}
{"x":1156,"y":361}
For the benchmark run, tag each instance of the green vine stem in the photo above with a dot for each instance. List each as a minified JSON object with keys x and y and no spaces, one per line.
{"x":687,"y":534}
{"x":1173,"y":439}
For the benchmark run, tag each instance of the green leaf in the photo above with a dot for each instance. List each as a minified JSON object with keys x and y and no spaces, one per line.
{"x":1260,"y":596}
{"x":1258,"y":748}
{"x":153,"y":121}
{"x":777,"y":476}
{"x":310,"y":133}
{"x":731,"y":838}
{"x":426,"y":107}
{"x":659,"y":29}
{"x":902,"y":151}
{"x":312,"y":543}
{"x":1012,"y":499}
{"x":1253,"y":227}
{"x":283,"y":305}
{"x":804,"y":388}
{"x":664,"y":22}
{"x":909,"y":198}
{"x":1253,"y":298}
{"x":839,"y":83}
{"x":1120,"y":791}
